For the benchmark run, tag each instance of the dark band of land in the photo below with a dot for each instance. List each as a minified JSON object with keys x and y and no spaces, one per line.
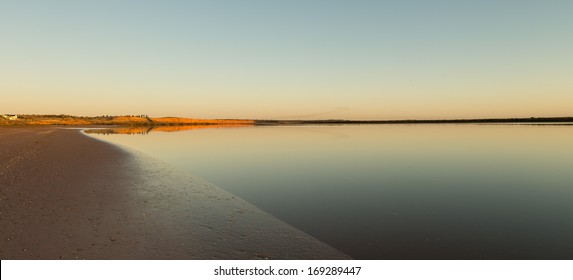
{"x":65,"y":195}
{"x":436,"y":121}
{"x":144,"y":120}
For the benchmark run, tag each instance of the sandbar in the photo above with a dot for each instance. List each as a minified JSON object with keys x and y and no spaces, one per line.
{"x":65,"y":195}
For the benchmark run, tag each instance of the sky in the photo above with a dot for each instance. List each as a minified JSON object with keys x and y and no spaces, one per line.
{"x":268,"y":59}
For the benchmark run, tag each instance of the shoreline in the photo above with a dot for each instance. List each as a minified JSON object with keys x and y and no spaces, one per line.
{"x":145,"y":121}
{"x":66,"y":195}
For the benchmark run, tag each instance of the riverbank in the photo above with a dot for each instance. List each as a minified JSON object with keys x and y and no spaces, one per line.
{"x":65,"y":195}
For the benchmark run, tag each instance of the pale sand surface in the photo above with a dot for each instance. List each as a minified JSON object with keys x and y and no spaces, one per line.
{"x":64,"y":195}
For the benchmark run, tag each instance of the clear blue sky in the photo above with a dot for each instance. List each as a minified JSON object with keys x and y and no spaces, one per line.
{"x":288,"y":59}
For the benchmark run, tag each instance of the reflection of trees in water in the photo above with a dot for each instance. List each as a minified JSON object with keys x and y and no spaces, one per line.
{"x":144,"y":130}
{"x":121,"y":130}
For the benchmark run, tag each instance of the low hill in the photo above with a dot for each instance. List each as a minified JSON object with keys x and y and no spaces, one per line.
{"x":113,"y":120}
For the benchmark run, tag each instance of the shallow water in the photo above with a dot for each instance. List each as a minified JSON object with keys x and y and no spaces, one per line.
{"x":449,"y":191}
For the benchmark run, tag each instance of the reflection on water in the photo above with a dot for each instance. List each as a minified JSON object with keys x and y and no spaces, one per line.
{"x":142,"y":130}
{"x":395,"y":191}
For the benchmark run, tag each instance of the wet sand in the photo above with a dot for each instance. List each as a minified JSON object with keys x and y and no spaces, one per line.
{"x":64,"y":195}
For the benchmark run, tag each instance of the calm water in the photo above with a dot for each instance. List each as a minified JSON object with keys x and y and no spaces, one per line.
{"x":395,"y":191}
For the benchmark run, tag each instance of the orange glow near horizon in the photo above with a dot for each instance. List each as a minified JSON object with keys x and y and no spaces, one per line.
{"x":375,"y":60}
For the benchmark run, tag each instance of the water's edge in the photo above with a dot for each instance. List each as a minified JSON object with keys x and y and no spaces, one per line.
{"x":227,"y":226}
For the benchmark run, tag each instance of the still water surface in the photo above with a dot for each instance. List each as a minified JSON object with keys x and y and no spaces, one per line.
{"x":445,"y":191}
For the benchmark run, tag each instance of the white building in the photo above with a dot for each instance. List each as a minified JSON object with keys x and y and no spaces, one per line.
{"x":10,"y":117}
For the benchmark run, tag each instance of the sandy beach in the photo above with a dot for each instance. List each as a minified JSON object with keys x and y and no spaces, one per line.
{"x":65,"y":195}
